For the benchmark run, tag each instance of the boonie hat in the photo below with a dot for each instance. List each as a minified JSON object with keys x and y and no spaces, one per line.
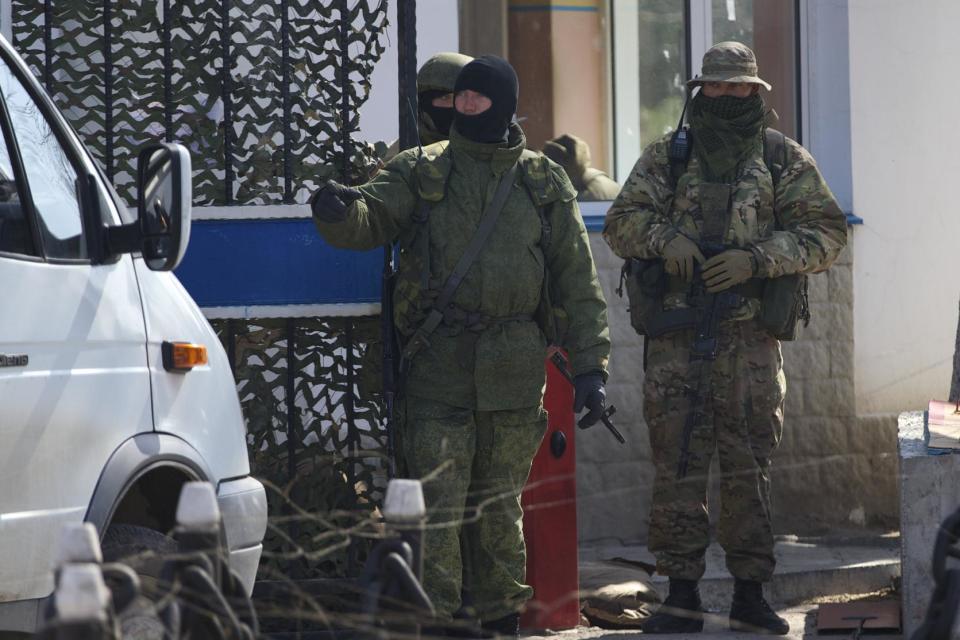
{"x":729,"y":62}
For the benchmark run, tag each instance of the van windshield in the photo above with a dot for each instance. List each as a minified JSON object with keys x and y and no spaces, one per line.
{"x":15,"y":233}
{"x":51,"y":177}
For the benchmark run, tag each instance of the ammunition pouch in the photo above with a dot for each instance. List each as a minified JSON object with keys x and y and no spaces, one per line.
{"x":370,"y":377}
{"x":645,"y":282}
{"x":784,"y":305}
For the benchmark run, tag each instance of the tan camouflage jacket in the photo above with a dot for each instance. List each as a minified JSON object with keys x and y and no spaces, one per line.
{"x":597,"y":186}
{"x":647,"y":215}
{"x":501,"y":366}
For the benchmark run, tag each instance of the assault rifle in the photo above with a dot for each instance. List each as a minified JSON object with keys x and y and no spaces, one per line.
{"x":391,"y":360}
{"x":392,"y":374}
{"x":711,"y":309}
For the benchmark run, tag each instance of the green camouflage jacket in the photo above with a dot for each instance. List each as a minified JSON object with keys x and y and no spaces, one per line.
{"x":501,"y":366}
{"x":648,"y":214}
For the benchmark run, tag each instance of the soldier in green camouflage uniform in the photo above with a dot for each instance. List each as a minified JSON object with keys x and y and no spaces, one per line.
{"x":652,"y":218}
{"x":435,"y":81}
{"x":472,"y":415}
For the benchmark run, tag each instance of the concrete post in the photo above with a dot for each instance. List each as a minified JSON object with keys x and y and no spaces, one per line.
{"x":198,"y":525}
{"x":81,"y":606}
{"x":405,"y":512}
{"x":79,"y":543}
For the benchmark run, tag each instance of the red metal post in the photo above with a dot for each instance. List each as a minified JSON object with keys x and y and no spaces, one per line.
{"x":550,"y":516}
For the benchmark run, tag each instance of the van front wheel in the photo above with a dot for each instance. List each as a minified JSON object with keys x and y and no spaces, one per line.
{"x":144,"y":550}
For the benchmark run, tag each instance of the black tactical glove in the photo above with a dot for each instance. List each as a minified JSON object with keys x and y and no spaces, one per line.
{"x":589,"y":393}
{"x":330,"y":202}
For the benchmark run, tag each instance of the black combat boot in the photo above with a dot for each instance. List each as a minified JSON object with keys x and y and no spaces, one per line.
{"x":751,"y":613}
{"x":507,"y":626}
{"x":681,"y":612}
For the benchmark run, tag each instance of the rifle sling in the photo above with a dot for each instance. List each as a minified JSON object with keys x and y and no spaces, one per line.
{"x":716,"y":201}
{"x":487,"y":221}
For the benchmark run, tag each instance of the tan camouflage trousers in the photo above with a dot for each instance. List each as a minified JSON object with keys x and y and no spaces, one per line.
{"x":474,"y":465}
{"x":743,"y":425}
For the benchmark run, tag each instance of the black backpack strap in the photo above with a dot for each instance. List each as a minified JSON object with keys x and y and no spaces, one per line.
{"x":774,"y":153}
{"x":546,"y":228}
{"x":544,"y":314}
{"x":545,"y":308}
{"x":678,"y":154}
{"x":488,"y":220}
{"x":421,"y":243}
{"x":775,"y":157}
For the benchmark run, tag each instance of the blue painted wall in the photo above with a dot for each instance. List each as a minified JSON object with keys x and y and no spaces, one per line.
{"x":284,"y":262}
{"x":274,"y":262}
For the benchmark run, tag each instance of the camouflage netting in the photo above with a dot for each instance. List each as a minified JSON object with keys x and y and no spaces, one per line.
{"x":265,"y":128}
{"x":130,"y":75}
{"x":325,"y":466}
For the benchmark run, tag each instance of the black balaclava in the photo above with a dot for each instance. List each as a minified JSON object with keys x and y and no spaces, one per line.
{"x":496,"y":79}
{"x":442,"y":117}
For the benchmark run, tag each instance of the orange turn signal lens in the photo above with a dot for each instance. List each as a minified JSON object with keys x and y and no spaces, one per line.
{"x":183,"y":356}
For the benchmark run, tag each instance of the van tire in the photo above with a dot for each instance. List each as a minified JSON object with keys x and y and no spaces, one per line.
{"x":144,"y":550}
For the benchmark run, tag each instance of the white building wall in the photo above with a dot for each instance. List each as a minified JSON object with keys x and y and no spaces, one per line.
{"x":437,"y":30}
{"x":906,"y":162}
{"x":825,"y":93}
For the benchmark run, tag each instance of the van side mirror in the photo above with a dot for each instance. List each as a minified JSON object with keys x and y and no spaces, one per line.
{"x":163,"y":204}
{"x":164,"y":195}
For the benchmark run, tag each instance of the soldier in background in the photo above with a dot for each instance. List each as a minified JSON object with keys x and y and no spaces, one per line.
{"x":435,"y":81}
{"x":770,"y":224}
{"x":573,"y":154}
{"x":473,"y":369}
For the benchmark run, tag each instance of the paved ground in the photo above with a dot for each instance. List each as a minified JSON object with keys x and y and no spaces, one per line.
{"x":802,"y":619}
{"x":808,"y":571}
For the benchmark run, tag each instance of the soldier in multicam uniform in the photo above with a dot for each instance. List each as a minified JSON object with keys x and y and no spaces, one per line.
{"x":655,"y":217}
{"x":472,"y":414}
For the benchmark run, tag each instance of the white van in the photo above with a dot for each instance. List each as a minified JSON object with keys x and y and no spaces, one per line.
{"x":114,"y":389}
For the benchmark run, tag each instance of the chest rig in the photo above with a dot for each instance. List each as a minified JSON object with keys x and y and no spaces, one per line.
{"x":783,"y":300}
{"x":416,"y":291}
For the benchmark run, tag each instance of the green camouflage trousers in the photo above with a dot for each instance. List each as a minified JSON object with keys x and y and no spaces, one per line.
{"x":743,"y":424}
{"x":474,"y":465}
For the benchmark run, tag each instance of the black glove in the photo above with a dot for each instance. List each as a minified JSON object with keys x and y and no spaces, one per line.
{"x":330,"y":202}
{"x":589,"y":393}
